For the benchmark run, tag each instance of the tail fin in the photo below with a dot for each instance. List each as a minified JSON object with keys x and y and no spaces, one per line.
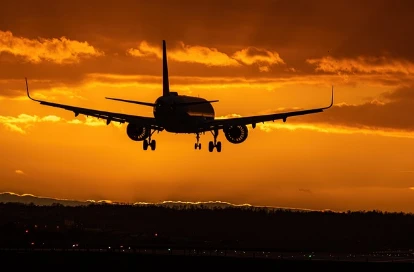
{"x":165,"y":82}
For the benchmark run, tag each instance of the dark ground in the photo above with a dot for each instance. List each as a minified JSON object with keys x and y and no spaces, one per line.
{"x":74,"y":261}
{"x":119,"y":237}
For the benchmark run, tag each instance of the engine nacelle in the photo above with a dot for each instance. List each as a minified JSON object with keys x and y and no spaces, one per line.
{"x":137,"y":133}
{"x":236,"y":134}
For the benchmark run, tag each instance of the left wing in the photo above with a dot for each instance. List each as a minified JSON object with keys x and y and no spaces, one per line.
{"x":109,"y":116}
{"x":253,"y":120}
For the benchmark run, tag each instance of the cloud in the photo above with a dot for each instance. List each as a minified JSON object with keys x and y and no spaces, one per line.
{"x":336,"y":129}
{"x":211,"y":56}
{"x":388,"y":115}
{"x":59,"y":51}
{"x":203,"y":55}
{"x":93,"y":122}
{"x":411,"y":188}
{"x":145,"y":50}
{"x":280,"y":24}
{"x":401,"y":94}
{"x":23,"y":121}
{"x":391,"y":111}
{"x":226,"y":83}
{"x":51,"y":118}
{"x":14,"y":89}
{"x":232,"y":115}
{"x":20,"y":172}
{"x":262,"y":57}
{"x":365,"y":65}
{"x":186,"y":53}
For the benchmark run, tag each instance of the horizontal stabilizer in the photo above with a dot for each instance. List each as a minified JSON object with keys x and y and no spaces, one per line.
{"x":132,"y":101}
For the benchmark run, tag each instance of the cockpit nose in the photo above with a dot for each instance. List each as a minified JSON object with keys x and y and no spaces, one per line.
{"x":162,"y":106}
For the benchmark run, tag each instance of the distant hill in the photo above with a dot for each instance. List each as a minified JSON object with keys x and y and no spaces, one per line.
{"x":8,"y":197}
{"x":41,"y":201}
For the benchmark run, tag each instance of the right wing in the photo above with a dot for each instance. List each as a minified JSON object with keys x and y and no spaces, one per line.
{"x":253,"y":120}
{"x":109,"y":116}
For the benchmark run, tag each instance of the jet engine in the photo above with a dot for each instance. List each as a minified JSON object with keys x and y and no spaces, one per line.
{"x":137,"y":133}
{"x":236,"y":134}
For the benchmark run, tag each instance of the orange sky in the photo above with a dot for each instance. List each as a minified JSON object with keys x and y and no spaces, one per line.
{"x":255,"y":57}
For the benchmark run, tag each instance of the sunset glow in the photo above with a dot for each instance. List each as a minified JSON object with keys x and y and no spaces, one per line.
{"x":255,"y":57}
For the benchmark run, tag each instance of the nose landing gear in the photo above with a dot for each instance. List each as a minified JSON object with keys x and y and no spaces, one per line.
{"x":197,"y":145}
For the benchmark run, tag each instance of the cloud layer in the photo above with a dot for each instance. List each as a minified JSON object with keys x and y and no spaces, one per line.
{"x":392,"y":110}
{"x":362,"y":64}
{"x":55,"y":50}
{"x":23,"y":122}
{"x":211,"y":56}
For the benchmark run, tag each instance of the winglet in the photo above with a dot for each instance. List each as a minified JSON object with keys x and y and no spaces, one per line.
{"x":27,"y":90}
{"x":332,"y":99}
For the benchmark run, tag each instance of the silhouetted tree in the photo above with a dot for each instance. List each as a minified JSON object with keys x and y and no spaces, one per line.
{"x":102,"y":225}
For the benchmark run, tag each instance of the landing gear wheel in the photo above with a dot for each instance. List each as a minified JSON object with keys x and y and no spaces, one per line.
{"x":148,"y":142}
{"x":210,"y":146}
{"x":195,"y":146}
{"x":153,"y":145}
{"x":218,"y":146}
{"x":214,"y":144}
{"x":199,"y":146}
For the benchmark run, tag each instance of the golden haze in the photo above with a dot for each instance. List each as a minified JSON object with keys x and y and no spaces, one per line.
{"x":255,"y":58}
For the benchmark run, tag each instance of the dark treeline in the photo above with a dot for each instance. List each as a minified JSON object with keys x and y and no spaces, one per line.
{"x":104,"y":225}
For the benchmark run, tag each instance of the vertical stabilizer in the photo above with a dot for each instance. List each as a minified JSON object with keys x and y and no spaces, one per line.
{"x":165,"y":82}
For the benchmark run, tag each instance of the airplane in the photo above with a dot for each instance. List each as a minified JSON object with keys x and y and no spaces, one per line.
{"x":176,"y":113}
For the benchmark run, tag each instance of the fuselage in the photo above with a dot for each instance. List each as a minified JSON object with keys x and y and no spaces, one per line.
{"x":174,"y":116}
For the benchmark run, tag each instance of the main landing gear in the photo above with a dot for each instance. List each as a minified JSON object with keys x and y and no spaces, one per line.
{"x":148,"y":142}
{"x":197,"y":145}
{"x":214,"y":144}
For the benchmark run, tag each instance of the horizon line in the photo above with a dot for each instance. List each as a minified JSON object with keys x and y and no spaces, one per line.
{"x":165,"y":202}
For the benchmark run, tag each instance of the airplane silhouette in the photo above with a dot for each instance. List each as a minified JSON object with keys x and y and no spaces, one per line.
{"x":180,"y":114}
